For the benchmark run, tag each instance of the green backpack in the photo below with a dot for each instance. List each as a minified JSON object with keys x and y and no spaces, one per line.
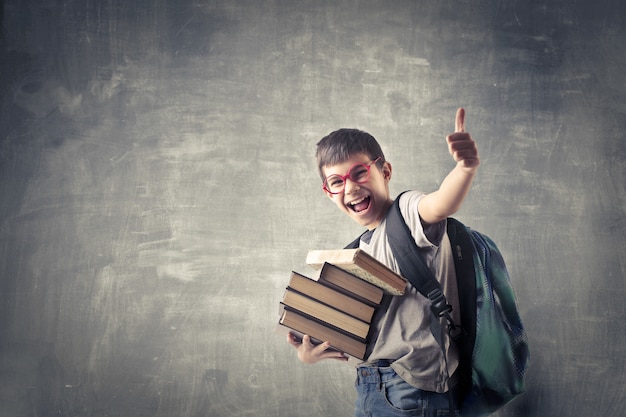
{"x":492,"y":343}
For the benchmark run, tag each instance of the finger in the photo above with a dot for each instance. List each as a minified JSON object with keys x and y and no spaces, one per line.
{"x":460,"y":141}
{"x":321,"y":348}
{"x":338,"y":356}
{"x":293,"y":340}
{"x":465,"y":155}
{"x":460,"y":120}
{"x":467,"y":147}
{"x":325,"y":351}
{"x":306,"y":341}
{"x":459,"y":137}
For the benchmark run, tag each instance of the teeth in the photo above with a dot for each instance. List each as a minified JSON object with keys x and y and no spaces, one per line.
{"x":355,"y":202}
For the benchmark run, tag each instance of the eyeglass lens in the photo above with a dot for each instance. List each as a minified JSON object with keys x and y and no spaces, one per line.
{"x":359,"y":173}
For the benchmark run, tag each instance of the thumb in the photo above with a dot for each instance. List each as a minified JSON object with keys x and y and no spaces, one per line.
{"x":460,"y":120}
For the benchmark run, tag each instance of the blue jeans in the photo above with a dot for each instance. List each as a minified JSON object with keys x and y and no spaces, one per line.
{"x":382,"y":393}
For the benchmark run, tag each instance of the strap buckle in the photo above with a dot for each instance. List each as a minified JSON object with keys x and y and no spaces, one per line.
{"x":439,"y":306}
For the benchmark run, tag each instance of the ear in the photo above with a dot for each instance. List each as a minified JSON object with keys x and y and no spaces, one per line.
{"x":386,"y":170}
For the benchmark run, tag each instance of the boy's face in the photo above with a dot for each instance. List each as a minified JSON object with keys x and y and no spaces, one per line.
{"x":365,"y":203}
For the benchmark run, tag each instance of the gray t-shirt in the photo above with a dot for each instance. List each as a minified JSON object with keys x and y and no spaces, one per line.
{"x":401,"y":327}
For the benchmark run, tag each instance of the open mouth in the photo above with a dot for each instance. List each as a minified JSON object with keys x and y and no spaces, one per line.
{"x":360,"y":204}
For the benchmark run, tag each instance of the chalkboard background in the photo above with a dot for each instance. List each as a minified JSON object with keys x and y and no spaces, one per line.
{"x":158,"y":186}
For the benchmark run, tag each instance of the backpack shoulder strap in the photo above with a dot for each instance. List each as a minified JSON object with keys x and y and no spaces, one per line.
{"x":355,"y":243}
{"x":410,"y":261}
{"x":413,"y":268}
{"x":463,"y":254}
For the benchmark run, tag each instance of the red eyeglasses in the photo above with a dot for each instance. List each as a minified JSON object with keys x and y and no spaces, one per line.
{"x":359,"y":173}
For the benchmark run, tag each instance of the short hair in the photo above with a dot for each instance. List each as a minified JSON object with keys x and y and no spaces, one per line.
{"x":340,"y":145}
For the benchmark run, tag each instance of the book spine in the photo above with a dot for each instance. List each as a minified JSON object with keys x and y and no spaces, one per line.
{"x":333,"y":296}
{"x":326,"y":313}
{"x":370,"y":302}
{"x":362,"y":314}
{"x":328,"y":325}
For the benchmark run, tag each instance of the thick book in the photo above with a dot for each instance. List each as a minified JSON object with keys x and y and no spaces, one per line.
{"x":340,"y":298}
{"x":299,"y":324}
{"x":325,"y":313}
{"x":349,"y":284}
{"x":361,"y":264}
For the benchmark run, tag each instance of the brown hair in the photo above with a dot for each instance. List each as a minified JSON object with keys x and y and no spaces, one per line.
{"x":340,"y":145}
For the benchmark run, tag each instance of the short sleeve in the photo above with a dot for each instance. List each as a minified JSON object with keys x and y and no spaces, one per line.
{"x":429,"y":236}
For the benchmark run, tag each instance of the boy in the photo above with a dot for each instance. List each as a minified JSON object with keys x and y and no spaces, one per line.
{"x":403,"y":356}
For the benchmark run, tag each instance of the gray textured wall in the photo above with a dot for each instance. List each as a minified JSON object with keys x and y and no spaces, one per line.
{"x":158,"y":186}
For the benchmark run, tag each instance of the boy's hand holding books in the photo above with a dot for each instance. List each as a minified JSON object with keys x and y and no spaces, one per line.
{"x":329,"y":316}
{"x":309,"y":353}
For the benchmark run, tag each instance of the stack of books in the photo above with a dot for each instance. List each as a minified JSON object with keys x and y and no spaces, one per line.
{"x":337,"y":304}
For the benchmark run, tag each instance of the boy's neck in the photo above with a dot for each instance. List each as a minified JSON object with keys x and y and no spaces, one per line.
{"x":384,"y":212}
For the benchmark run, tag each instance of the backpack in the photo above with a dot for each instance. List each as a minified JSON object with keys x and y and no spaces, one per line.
{"x":492,"y":343}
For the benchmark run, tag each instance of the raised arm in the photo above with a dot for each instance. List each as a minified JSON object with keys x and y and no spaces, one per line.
{"x":447,"y":200}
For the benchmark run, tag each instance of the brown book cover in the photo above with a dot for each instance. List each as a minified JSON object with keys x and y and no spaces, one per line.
{"x":361,"y":264}
{"x":344,"y":281}
{"x":314,"y":308}
{"x":300,"y":325}
{"x":336,"y":298}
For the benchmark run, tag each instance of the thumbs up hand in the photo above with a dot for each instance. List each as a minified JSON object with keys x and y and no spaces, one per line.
{"x":461,"y":145}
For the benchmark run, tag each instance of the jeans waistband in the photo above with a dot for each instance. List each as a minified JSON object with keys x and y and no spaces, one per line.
{"x":375,"y":374}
